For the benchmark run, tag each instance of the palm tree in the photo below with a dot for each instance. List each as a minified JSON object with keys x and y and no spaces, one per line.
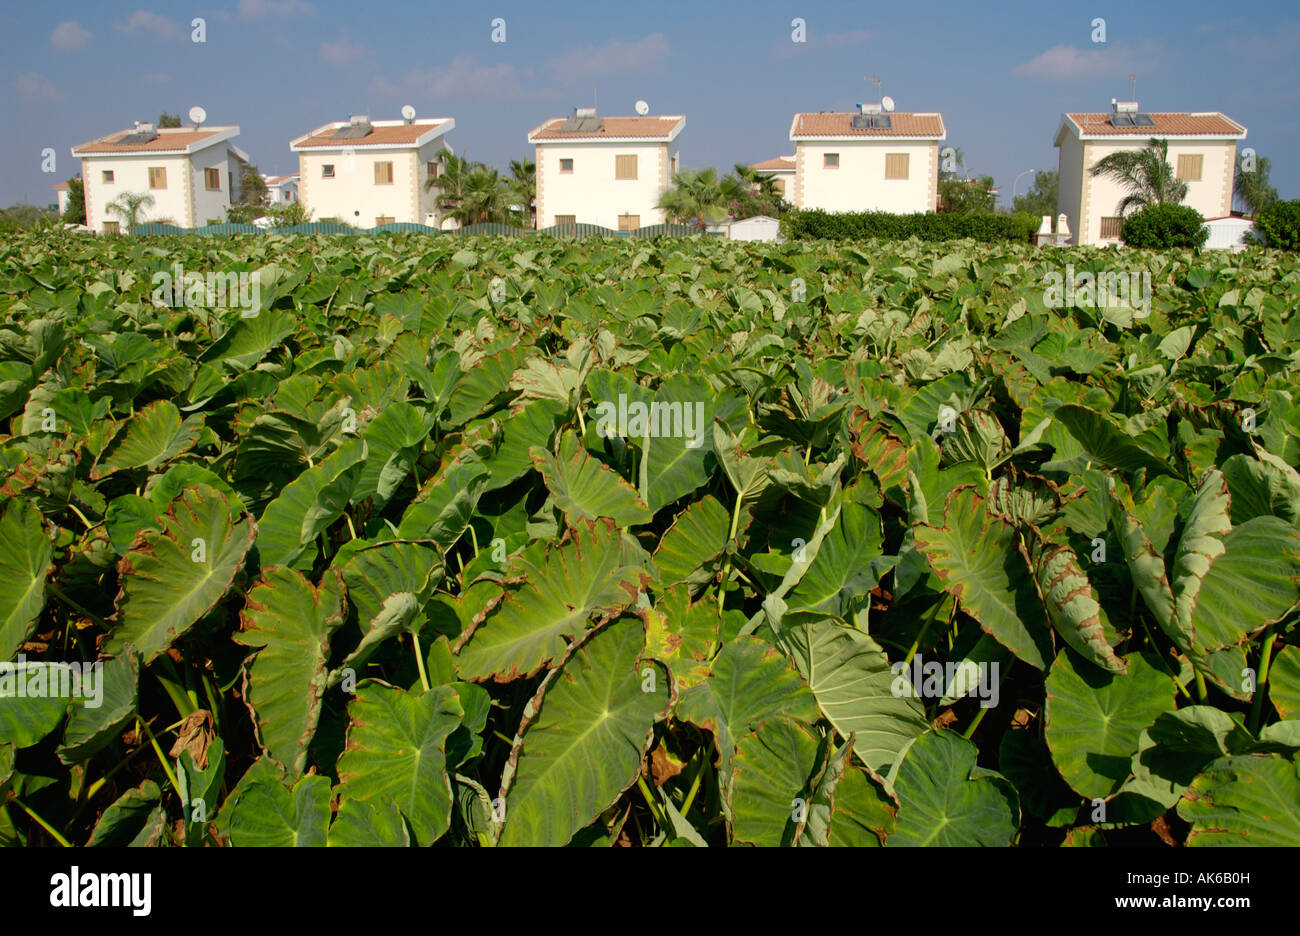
{"x":699,"y":197}
{"x":523,"y":184}
{"x":1147,"y":175}
{"x":128,"y":206}
{"x":451,"y":184}
{"x":757,"y":183}
{"x":1251,"y":186}
{"x":487,"y":196}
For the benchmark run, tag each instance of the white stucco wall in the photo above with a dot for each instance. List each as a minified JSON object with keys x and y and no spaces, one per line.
{"x":1211,"y":195}
{"x":210,"y":205}
{"x":859,"y":184}
{"x":131,"y":174}
{"x":591,"y":193}
{"x":352,"y":195}
{"x":1069,"y":193}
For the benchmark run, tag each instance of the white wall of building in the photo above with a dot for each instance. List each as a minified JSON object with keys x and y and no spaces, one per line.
{"x":591,"y":193}
{"x":211,"y":205}
{"x":859,"y":184}
{"x":1211,"y":195}
{"x":131,"y":174}
{"x":353,"y":196}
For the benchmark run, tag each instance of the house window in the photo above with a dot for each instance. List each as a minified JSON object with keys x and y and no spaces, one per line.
{"x":1189,"y":167}
{"x":1110,"y":227}
{"x":830,"y":160}
{"x":566,"y":165}
{"x":629,"y":222}
{"x":897,"y":165}
{"x":108,"y":175}
{"x":384,"y":219}
{"x":566,"y":220}
{"x":111,"y":227}
{"x":383,"y":173}
{"x":779,"y":185}
{"x":625,"y":167}
{"x":212,"y":179}
{"x":157,"y":177}
{"x":675,"y":163}
{"x":435,"y":169}
{"x":327,"y":171}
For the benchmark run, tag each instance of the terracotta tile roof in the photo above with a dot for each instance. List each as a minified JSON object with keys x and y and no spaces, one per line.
{"x":61,"y":186}
{"x":833,"y":124}
{"x":648,"y":128}
{"x":394,"y":134}
{"x":278,"y":179}
{"x":779,"y":164}
{"x":1209,"y":124}
{"x":169,"y":139}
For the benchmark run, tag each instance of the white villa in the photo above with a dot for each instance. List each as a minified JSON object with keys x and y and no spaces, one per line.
{"x":368,"y":173}
{"x":62,"y":194}
{"x":281,"y":189}
{"x":1202,"y":150}
{"x":192,"y":173}
{"x":871,"y":160}
{"x":608,"y":171}
{"x":781,"y":169}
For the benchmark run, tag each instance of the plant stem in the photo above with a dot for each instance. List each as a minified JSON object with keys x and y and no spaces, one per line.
{"x":934,"y":612}
{"x":73,"y":508}
{"x":59,"y":594}
{"x":419,"y":660}
{"x":650,"y":801}
{"x":1261,"y":681}
{"x":171,"y":777}
{"x":351,"y":528}
{"x":731,"y":535}
{"x":43,"y":824}
{"x":975,"y":722}
{"x":695,"y":786}
{"x":1200,"y":688}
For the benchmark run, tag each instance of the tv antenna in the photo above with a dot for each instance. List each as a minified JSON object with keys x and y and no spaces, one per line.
{"x":875,"y":80}
{"x":1132,"y":87}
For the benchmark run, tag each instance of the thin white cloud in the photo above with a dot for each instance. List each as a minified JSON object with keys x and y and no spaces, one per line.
{"x":463,"y":76}
{"x":615,"y":56}
{"x":36,"y":89}
{"x":342,"y":51}
{"x":822,"y":41}
{"x":154,"y":25}
{"x":258,"y":9}
{"x":70,"y":36}
{"x":1067,"y":63}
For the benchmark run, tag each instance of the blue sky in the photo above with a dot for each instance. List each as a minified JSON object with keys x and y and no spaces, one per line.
{"x":1000,"y":75}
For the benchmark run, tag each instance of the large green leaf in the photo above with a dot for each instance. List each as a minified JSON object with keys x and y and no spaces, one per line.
{"x":27,"y":718}
{"x":291,"y":622}
{"x":393,"y":442}
{"x":863,"y":815}
{"x":977,"y":557}
{"x":683,"y":635}
{"x":368,"y":823}
{"x":152,"y":436}
{"x":689,"y":548}
{"x":846,"y":567}
{"x":1284,"y":682}
{"x":749,"y":682}
{"x":944,"y":799}
{"x":396,"y":751}
{"x":578,"y":584}
{"x":25,"y":554}
{"x":770,"y":784}
{"x":91,"y":727}
{"x":583,"y":738}
{"x":307,"y":505}
{"x":171,"y":578}
{"x":1106,"y":443}
{"x":134,"y":818}
{"x":850,"y":677}
{"x":1095,"y":718}
{"x":1245,"y":800}
{"x":269,"y":814}
{"x":1072,"y":604}
{"x":585,"y":489}
{"x":448,"y":506}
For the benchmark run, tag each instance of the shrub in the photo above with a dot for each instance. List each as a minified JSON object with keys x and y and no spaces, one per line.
{"x":1280,"y":223}
{"x":929,"y":226}
{"x":1162,"y":226}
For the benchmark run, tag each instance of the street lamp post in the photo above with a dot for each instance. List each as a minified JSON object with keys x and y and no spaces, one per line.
{"x":1017,"y":182}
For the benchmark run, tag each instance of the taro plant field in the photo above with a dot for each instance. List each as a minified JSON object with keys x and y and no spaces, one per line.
{"x":487,"y":542}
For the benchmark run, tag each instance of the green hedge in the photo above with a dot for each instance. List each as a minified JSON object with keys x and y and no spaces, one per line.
{"x":931,"y":226}
{"x":1280,"y":222}
{"x":1164,"y":226}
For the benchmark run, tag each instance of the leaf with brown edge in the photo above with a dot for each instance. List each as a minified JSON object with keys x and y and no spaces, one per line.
{"x":882,"y":451}
{"x":1071,"y":603}
{"x":579,"y":584}
{"x":170,"y":579}
{"x":585,"y":488}
{"x":977,"y":557}
{"x":290,"y":622}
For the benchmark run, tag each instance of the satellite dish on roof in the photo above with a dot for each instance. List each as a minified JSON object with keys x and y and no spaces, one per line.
{"x":642,"y":108}
{"x":408,"y":112}
{"x":887,"y":103}
{"x":198,"y":115}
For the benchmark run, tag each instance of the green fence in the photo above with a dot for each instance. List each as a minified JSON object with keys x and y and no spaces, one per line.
{"x":495,"y":230}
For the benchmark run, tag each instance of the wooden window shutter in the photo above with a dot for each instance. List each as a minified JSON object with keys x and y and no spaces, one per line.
{"x":157,"y":177}
{"x":1190,"y":166}
{"x":383,"y":173}
{"x":625,"y":167}
{"x":1110,"y":227}
{"x":897,"y":165}
{"x":629,"y":222}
